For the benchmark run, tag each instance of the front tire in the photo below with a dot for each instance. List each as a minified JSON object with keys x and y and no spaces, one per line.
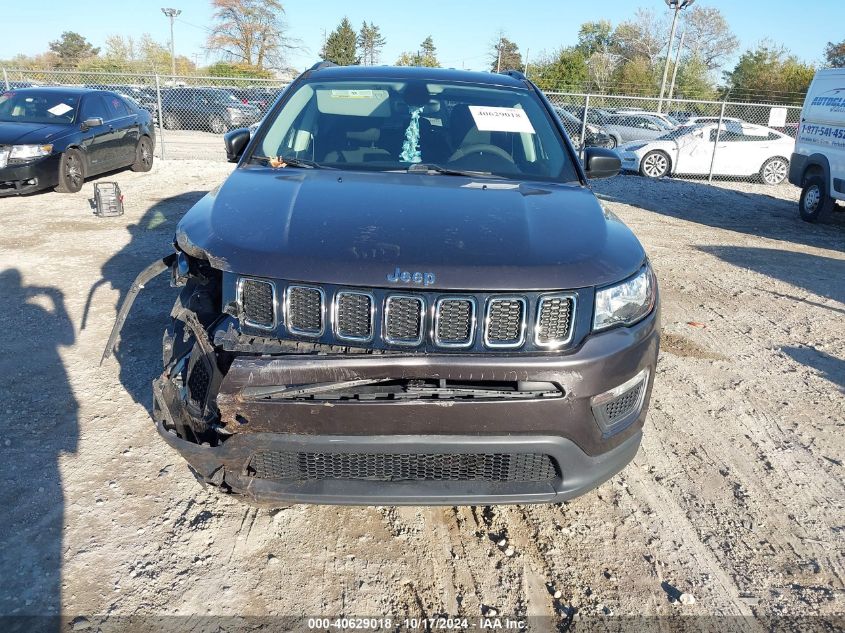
{"x":612,"y":143}
{"x":774,"y":170}
{"x":815,"y":202}
{"x":71,"y":172}
{"x":143,"y":155}
{"x":655,"y":164}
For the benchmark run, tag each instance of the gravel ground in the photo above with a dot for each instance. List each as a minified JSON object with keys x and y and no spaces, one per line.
{"x":735,"y":498}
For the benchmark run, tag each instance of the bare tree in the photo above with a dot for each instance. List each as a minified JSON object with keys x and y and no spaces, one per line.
{"x":643,"y":36}
{"x":709,"y":36}
{"x":249,"y":32}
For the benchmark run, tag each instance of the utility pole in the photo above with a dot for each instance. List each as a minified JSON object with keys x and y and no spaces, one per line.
{"x":525,"y":70}
{"x":172,"y":13}
{"x":676,"y":5}
{"x":675,"y":69}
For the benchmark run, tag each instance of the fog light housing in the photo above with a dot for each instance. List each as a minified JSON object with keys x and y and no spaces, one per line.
{"x":617,"y":409}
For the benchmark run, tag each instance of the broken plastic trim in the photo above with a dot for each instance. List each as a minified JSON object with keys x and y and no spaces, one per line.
{"x":375,"y":389}
{"x":151,"y":271}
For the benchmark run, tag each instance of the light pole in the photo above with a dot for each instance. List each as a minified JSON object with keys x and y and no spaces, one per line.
{"x":172,"y":13}
{"x":676,"y":5}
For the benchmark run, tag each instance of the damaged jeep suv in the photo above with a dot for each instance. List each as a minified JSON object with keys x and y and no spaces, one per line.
{"x":406,"y":293}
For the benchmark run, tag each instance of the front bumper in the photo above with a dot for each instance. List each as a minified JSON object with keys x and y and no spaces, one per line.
{"x":630,"y":161}
{"x":562,"y":428}
{"x":15,"y":179}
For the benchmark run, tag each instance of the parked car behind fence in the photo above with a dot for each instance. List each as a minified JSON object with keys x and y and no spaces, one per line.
{"x":212,"y":109}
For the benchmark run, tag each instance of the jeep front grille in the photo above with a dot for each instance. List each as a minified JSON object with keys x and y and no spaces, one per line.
{"x":426,"y":320}
{"x":505,"y":322}
{"x":403,"y":320}
{"x":454,"y":322}
{"x":494,"y":467}
{"x":554,"y":320}
{"x":304,"y":310}
{"x":258,"y":302}
{"x":354,"y":316}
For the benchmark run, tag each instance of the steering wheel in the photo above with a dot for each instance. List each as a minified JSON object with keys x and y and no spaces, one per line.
{"x":478,"y":148}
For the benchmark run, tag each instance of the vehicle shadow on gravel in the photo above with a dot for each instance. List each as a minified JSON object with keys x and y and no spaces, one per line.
{"x":752,"y":213}
{"x":139,"y":349}
{"x":821,"y":276}
{"x":39,"y":414}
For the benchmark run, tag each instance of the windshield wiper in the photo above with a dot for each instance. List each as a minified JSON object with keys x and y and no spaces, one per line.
{"x":446,"y":171}
{"x":291,"y":161}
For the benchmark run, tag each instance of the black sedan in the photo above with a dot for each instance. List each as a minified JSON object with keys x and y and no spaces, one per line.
{"x":57,"y":137}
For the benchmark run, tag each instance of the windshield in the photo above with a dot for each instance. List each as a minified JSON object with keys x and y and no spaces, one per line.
{"x":38,"y":107}
{"x":394,"y":124}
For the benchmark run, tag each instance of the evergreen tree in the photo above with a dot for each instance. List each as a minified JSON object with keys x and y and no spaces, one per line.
{"x":370,"y":43}
{"x":341,"y":45}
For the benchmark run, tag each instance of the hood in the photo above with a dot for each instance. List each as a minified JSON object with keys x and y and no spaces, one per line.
{"x":31,"y":133}
{"x":359,"y":228}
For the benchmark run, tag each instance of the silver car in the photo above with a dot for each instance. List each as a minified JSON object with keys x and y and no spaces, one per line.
{"x":635,"y":127}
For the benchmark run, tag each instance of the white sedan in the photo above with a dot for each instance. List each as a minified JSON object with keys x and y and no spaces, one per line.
{"x":741,"y":149}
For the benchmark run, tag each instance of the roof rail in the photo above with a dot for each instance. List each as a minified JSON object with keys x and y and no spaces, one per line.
{"x":322,"y":64}
{"x":516,"y":74}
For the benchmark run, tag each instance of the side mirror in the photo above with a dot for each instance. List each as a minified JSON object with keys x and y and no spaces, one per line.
{"x":236,"y":142}
{"x":600,"y":162}
{"x":94,"y":121}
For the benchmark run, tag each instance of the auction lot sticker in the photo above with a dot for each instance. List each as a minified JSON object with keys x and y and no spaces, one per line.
{"x":489,"y":119}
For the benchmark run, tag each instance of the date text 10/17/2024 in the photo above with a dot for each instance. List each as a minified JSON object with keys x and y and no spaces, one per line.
{"x":423,"y":624}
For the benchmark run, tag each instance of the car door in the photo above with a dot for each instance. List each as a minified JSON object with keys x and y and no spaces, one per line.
{"x":125,"y":128}
{"x":695,"y":150}
{"x":96,"y":139}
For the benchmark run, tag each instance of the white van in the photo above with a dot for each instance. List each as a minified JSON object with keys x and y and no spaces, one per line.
{"x":818,"y":163}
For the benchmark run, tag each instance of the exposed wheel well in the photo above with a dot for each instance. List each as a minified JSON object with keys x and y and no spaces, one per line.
{"x":812,"y":170}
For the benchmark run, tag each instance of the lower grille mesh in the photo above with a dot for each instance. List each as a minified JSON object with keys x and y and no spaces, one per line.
{"x":617,"y":409}
{"x":403,"y":466}
{"x":198,"y":382}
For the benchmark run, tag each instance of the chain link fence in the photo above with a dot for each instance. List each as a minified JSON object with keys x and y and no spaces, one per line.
{"x":191,"y":112}
{"x":713,"y":140}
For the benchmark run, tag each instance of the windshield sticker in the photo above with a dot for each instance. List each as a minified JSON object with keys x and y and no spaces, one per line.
{"x":489,"y":119}
{"x":352,"y":94}
{"x":59,"y":110}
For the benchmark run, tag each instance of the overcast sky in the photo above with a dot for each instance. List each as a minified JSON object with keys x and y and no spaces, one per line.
{"x":462,"y":31}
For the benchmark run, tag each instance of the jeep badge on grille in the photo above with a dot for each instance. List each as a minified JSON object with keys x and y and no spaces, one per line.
{"x":404,"y":276}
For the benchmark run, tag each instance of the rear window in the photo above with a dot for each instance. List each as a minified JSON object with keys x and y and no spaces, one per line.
{"x":38,"y":107}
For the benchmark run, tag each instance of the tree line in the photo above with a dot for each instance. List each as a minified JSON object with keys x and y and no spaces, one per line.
{"x":250,"y":39}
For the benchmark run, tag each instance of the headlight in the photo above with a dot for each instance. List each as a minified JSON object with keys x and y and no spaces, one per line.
{"x":626,"y":302}
{"x":592,"y":129}
{"x":233,"y":112}
{"x":23,"y":152}
{"x":634,"y":148}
